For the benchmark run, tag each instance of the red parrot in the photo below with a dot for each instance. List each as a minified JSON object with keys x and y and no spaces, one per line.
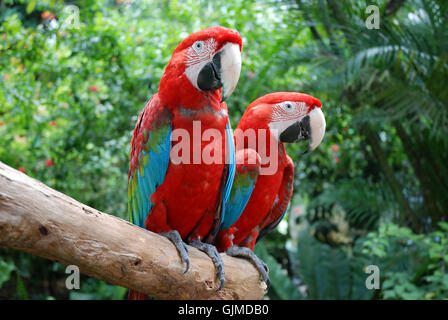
{"x":263,"y":185}
{"x":171,"y":190}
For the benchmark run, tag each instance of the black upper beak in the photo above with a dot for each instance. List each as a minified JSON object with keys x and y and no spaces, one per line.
{"x":298,"y":131}
{"x":209,"y":77}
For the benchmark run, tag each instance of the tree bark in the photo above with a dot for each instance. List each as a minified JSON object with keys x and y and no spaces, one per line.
{"x":39,"y":220}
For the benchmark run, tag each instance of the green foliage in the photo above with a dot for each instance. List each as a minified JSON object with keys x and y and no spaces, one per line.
{"x":282,"y":287}
{"x":6,"y":268}
{"x":414,"y":265}
{"x":364,"y":203}
{"x":22,"y":293}
{"x":94,"y":290}
{"x":330,"y":273}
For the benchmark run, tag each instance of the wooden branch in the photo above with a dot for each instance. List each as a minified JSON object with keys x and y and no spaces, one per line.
{"x":37,"y":219}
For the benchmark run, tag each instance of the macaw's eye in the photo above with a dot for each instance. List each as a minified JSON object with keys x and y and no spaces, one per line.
{"x":287,"y":106}
{"x":198,"y":46}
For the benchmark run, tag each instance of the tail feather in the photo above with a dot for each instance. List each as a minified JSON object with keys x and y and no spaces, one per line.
{"x":134,"y":295}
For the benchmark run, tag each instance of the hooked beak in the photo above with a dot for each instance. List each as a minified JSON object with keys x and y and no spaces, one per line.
{"x":311,"y":127}
{"x":223,"y":71}
{"x":317,"y":128}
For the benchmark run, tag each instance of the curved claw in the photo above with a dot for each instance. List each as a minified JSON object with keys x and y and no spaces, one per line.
{"x":181,"y":247}
{"x":212,"y":252}
{"x":235,"y":251}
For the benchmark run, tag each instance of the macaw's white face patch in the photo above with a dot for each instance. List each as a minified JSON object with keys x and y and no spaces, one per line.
{"x":293,"y":121}
{"x":285,"y":114}
{"x":223,"y":67}
{"x":200,"y":51}
{"x":198,"y":55}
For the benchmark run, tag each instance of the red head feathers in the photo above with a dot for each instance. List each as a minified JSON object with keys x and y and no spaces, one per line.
{"x":203,"y":70}
{"x":289,"y":117}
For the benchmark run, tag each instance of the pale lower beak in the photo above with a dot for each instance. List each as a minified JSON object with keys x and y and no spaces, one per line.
{"x":317,"y":128}
{"x":230,"y":68}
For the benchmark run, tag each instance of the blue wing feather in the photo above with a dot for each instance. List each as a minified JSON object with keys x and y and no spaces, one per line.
{"x":238,"y":200}
{"x":231,"y":171}
{"x":239,"y":195}
{"x":150,"y":174}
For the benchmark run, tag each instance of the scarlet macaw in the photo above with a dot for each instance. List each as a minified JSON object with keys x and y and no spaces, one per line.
{"x":264,"y":195}
{"x":184,"y":200}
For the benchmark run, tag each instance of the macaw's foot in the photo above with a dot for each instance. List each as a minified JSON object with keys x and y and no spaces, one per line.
{"x":244,"y":252}
{"x":181,"y":247}
{"x":211,"y":251}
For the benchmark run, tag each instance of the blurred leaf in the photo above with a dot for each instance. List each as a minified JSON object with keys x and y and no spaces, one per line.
{"x":30,"y":6}
{"x":22,"y":293}
{"x":6,"y":268}
{"x":280,"y":282}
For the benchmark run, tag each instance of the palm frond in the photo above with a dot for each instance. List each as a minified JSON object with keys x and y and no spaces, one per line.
{"x":364,"y":203}
{"x":281,"y":285}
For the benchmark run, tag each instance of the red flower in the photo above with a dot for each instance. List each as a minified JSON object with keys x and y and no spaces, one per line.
{"x":251,"y":74}
{"x":45,"y":14}
{"x":21,"y":169}
{"x":336,"y":159}
{"x":94,"y":88}
{"x":335,"y":148}
{"x":53,"y":123}
{"x":6,"y":77}
{"x":49,"y":163}
{"x":2,"y":123}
